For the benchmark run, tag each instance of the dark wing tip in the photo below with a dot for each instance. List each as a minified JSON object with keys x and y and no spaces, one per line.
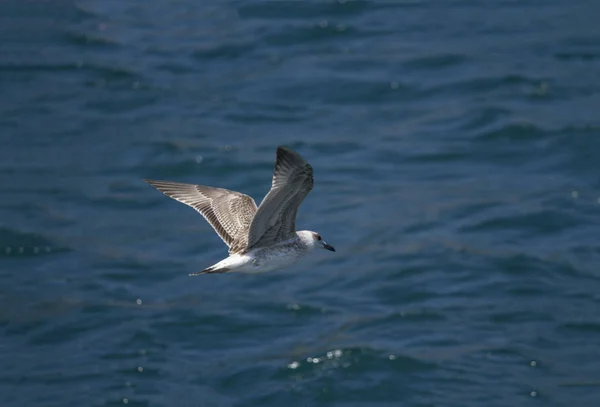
{"x":283,"y":149}
{"x":289,"y":156}
{"x":152,"y":182}
{"x":291,"y":167}
{"x":160,"y":185}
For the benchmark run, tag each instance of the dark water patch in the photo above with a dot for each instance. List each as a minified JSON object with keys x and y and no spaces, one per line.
{"x":22,"y":328}
{"x":171,"y":170}
{"x":379,"y":388}
{"x":580,"y":41}
{"x":305,"y":10}
{"x":118,"y":402}
{"x":514,"y":133}
{"x":578,"y":55}
{"x":22,"y":67}
{"x":69,"y":331}
{"x":341,"y":206}
{"x":347,"y":63}
{"x":139,"y":344}
{"x":224,"y":51}
{"x":171,"y":147}
{"x":407,"y":271}
{"x":14,"y":243}
{"x":583,"y":383}
{"x":206,"y":156}
{"x":440,"y":157}
{"x":579,"y":151}
{"x":148,"y":371}
{"x":219,"y":325}
{"x":392,"y":157}
{"x":541,"y":222}
{"x":122,"y":201}
{"x":107,"y":72}
{"x":584,"y":251}
{"x":506,"y":353}
{"x":264,"y":117}
{"x":128,"y":270}
{"x":304,"y":310}
{"x":520,"y":264}
{"x":87,"y":40}
{"x":106,"y":103}
{"x":485,"y":117}
{"x":344,"y":92}
{"x":472,"y":209}
{"x":25,"y":313}
{"x":529,"y":290}
{"x":284,"y":108}
{"x":509,"y":85}
{"x":177,"y":67}
{"x":437,"y":61}
{"x":305,"y":34}
{"x":123,"y":186}
{"x":415,"y":314}
{"x":392,"y":294}
{"x":519,"y":316}
{"x":244,"y":379}
{"x":53,"y":378}
{"x":61,"y":9}
{"x":338,"y":148}
{"x":587,"y":327}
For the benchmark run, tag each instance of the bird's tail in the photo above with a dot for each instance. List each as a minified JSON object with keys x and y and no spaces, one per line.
{"x":211,"y":270}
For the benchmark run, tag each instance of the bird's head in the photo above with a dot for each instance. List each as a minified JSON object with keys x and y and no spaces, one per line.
{"x":315,"y":240}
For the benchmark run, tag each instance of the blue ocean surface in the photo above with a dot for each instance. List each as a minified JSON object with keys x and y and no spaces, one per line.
{"x":456,"y":153}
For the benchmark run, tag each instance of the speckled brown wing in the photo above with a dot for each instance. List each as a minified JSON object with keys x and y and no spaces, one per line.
{"x":230,"y":213}
{"x":275,"y":219}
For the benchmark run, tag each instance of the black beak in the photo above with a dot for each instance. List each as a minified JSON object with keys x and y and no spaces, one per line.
{"x":328,"y":247}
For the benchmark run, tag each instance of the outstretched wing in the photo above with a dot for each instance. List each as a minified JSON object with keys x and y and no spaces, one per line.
{"x":230,"y":213}
{"x":275,"y":219}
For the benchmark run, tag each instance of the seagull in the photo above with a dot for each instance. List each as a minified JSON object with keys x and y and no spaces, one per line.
{"x":260,"y":238}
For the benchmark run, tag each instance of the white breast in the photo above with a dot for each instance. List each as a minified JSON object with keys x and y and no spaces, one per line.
{"x":266,"y":259}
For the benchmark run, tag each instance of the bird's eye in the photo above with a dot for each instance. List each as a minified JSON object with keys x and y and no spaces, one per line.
{"x":319,"y":238}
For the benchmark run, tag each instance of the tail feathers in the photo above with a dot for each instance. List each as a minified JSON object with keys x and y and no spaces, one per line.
{"x":211,"y":270}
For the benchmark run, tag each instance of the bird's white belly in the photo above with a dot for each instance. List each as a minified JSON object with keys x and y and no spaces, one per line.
{"x":267,"y":259}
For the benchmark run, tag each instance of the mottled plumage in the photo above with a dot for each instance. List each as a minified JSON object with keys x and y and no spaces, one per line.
{"x":262,"y":238}
{"x":230,"y":213}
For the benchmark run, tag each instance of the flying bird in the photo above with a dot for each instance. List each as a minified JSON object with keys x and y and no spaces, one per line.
{"x":259,"y":238}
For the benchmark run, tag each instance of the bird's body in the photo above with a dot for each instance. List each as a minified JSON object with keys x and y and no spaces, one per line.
{"x":263,"y":259}
{"x":260,"y":238}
